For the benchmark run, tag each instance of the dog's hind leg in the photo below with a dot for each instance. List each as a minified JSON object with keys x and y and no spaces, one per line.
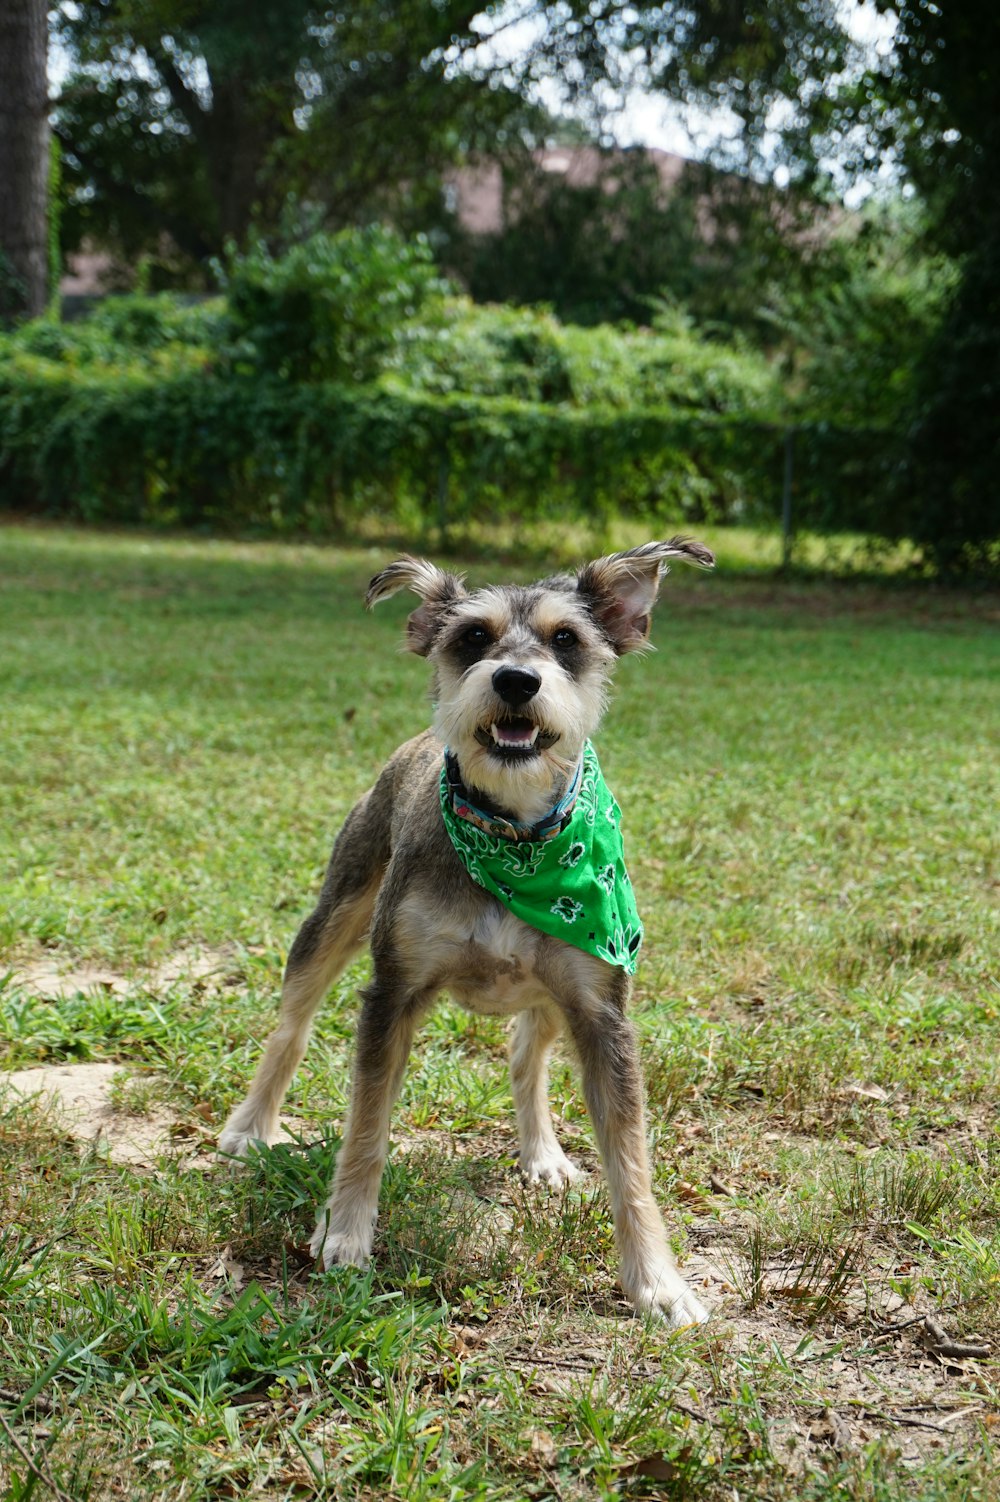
{"x":542,"y":1160}
{"x":323,"y":947}
{"x":346,"y":1224}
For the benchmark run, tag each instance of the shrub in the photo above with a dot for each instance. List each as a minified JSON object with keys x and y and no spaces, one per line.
{"x":344,"y":379}
{"x":332,"y":307}
{"x":198,"y":447}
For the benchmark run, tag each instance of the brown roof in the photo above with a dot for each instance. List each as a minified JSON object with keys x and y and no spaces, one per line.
{"x":477,"y":191}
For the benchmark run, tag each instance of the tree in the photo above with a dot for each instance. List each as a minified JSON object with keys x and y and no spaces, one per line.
{"x":196,"y":119}
{"x":24,"y":157}
{"x":612,"y":235}
{"x":926,"y":110}
{"x":936,"y":106}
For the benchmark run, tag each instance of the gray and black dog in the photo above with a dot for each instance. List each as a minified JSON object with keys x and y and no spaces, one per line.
{"x":520,"y":683}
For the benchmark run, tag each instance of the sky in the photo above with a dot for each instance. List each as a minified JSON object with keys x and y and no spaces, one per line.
{"x":649,"y":119}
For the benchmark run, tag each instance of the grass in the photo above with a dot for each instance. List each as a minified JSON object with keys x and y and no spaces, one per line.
{"x":810,"y":781}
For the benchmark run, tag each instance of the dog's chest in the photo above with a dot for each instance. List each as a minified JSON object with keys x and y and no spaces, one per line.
{"x":484,"y":960}
{"x":496,"y":971}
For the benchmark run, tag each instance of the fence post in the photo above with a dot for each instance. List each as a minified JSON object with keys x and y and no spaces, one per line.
{"x":786,"y":501}
{"x":444,"y":474}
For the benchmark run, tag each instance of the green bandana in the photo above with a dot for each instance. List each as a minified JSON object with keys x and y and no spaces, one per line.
{"x":573,"y":885}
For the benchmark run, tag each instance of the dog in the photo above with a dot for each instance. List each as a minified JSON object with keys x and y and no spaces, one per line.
{"x":486,"y":862}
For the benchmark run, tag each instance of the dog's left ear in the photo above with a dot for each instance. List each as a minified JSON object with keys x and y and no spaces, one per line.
{"x":438,"y":591}
{"x":620,"y":590}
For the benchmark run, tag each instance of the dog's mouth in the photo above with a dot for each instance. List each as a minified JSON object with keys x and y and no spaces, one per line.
{"x":515,"y":739}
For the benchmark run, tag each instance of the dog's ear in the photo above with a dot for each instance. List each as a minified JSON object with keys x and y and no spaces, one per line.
{"x":620,"y":590}
{"x":438,"y":591}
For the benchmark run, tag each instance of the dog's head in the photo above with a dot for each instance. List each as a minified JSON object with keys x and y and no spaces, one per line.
{"x":521,"y":672}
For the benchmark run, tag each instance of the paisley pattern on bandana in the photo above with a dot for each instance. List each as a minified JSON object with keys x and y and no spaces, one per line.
{"x":575,"y":885}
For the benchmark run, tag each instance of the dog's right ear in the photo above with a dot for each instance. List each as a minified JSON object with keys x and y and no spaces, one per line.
{"x":438,"y":591}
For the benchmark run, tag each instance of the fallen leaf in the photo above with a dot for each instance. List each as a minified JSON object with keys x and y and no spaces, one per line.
{"x":655,"y":1467}
{"x":542,"y":1447}
{"x":228,"y":1267}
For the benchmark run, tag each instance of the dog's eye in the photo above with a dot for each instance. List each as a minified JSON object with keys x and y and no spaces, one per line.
{"x":564,"y":637}
{"x":476,"y":636}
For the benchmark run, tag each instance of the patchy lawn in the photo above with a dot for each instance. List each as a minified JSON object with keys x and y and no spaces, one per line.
{"x":810,"y":780}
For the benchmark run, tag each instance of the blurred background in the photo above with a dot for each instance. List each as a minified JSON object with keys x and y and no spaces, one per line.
{"x":425,"y":267}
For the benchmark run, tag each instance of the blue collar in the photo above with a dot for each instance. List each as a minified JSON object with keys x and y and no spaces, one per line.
{"x":547,"y":828}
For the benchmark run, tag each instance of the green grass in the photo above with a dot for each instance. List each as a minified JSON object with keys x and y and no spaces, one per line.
{"x":809,"y":774}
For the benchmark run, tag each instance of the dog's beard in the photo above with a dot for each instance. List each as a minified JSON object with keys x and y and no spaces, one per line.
{"x":521,"y":758}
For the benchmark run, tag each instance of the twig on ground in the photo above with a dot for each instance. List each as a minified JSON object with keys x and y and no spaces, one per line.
{"x":890,"y":1328}
{"x":941,"y":1343}
{"x":34,"y":1466}
{"x":43,"y":1405}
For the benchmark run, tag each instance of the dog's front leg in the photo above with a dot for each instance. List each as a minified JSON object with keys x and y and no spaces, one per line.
{"x":612,"y":1084}
{"x":346,"y":1225}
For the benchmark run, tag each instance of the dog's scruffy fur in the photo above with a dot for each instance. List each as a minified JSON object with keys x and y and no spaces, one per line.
{"x":521,"y":677}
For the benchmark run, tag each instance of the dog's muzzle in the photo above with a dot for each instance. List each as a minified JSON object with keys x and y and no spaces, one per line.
{"x":515,"y":737}
{"x":511,"y":736}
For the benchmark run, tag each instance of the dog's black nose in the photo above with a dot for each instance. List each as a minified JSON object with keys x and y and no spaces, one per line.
{"x":516,"y":685}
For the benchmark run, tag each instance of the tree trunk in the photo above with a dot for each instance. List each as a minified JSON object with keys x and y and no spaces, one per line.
{"x":24,"y":156}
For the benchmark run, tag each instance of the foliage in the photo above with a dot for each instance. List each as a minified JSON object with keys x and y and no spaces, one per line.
{"x":855,"y":338}
{"x":187,"y":123}
{"x":596,"y":251}
{"x":342,"y":377}
{"x":945,"y":495}
{"x":332,"y":307}
{"x":852,"y":344}
{"x":612,"y":237}
{"x":527,"y":353}
{"x":195,"y":448}
{"x":343,"y":380}
{"x":925,"y":109}
{"x":938,"y":107}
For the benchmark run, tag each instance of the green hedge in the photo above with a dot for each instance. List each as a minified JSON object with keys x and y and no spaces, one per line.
{"x":345,"y":378}
{"x":198,"y":447}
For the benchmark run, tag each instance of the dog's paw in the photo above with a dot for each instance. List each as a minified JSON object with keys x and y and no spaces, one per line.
{"x":548,"y":1166}
{"x":663,"y":1292}
{"x":333,"y":1248}
{"x":684,"y":1311}
{"x":235,"y":1144}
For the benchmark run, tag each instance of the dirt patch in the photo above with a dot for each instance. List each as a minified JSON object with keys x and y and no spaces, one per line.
{"x":208,"y":966}
{"x":81,"y":1098}
{"x":53,"y":982}
{"x":86,"y":1102}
